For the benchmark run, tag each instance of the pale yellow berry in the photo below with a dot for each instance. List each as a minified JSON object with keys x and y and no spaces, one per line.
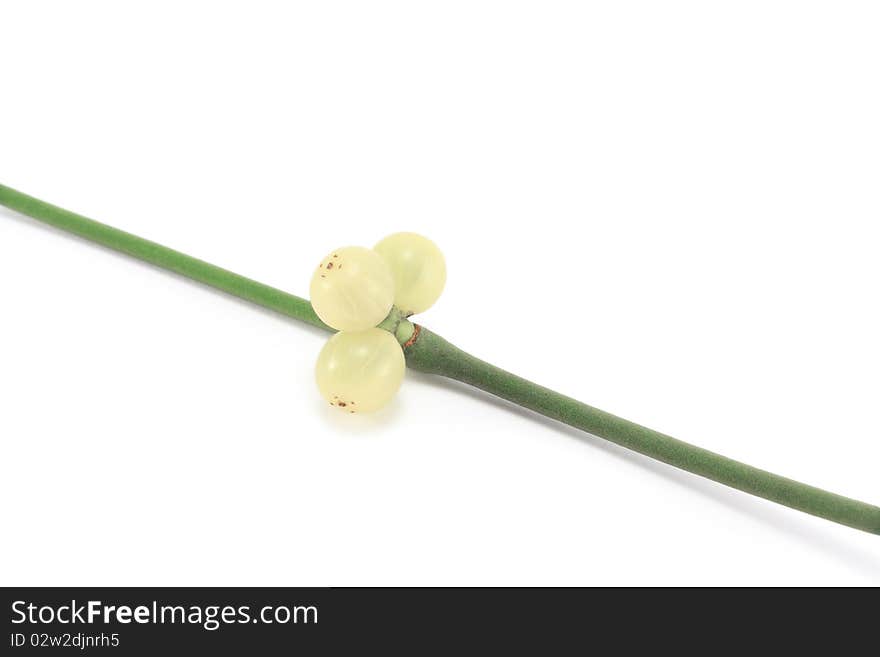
{"x":352,"y":289}
{"x":418,"y":267}
{"x":360,"y":372}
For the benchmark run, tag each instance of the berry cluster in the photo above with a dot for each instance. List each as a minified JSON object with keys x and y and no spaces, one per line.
{"x":353,"y":290}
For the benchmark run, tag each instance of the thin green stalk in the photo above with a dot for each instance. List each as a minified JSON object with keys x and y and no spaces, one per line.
{"x":162,"y":256}
{"x":428,"y":352}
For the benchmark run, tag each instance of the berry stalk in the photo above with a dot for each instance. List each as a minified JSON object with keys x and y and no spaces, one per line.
{"x":427,"y":352}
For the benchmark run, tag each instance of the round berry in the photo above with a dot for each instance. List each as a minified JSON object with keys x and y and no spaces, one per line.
{"x":418,"y":267}
{"x":360,"y":372}
{"x":352,"y":289}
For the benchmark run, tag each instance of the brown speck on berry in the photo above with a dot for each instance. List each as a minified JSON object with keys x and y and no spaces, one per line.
{"x":329,"y":265}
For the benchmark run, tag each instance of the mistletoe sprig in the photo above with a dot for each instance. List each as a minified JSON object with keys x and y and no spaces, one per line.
{"x":361,"y":302}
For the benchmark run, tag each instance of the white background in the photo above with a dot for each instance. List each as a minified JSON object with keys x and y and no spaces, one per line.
{"x":667,"y":210}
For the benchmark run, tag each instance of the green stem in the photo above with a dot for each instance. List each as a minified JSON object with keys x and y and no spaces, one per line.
{"x":162,"y":256}
{"x":428,"y":352}
{"x":431,"y":353}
